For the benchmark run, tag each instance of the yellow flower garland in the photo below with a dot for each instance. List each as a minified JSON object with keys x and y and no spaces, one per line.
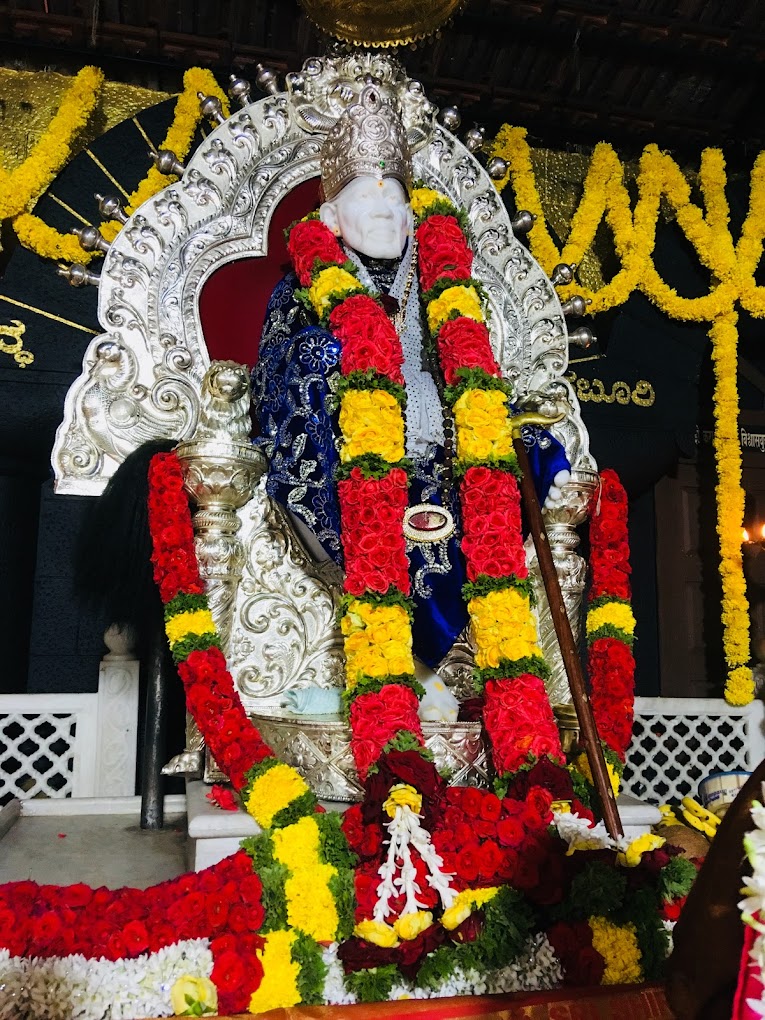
{"x":732,"y":265}
{"x":278,"y":988}
{"x":618,"y":945}
{"x":371,"y":422}
{"x":194,"y":622}
{"x":47,"y":242}
{"x":482,"y":422}
{"x":503,"y":627}
{"x":20,"y":189}
{"x":615,"y":614}
{"x":310,"y":904}
{"x":460,"y":300}
{"x":378,"y":641}
{"x":330,"y":284}
{"x":273,"y":791}
{"x":730,"y":515}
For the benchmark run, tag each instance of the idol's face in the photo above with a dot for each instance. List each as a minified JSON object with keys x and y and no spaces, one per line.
{"x":372,"y":216}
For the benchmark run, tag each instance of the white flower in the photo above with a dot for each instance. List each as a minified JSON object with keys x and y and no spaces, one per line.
{"x":75,"y":988}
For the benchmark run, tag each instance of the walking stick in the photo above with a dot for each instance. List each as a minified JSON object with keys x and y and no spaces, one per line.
{"x":569,"y":651}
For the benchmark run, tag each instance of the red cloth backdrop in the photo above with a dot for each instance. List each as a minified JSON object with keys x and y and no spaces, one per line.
{"x":232,"y":305}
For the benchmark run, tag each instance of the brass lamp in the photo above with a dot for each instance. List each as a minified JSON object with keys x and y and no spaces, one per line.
{"x":373,"y":23}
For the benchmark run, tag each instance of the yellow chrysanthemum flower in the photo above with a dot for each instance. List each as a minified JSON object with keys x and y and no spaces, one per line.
{"x":273,"y":791}
{"x":330,"y":282}
{"x":582,"y":766}
{"x":192,"y":623}
{"x":618,"y":945}
{"x":310,"y":904}
{"x":278,"y":987}
{"x":503,"y":627}
{"x":371,"y":422}
{"x":483,"y":425}
{"x":464,"y":300}
{"x":378,"y":641}
{"x":617,"y":614}
{"x":422,"y":198}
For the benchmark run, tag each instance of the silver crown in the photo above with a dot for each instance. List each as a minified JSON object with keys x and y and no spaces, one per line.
{"x":368,"y":140}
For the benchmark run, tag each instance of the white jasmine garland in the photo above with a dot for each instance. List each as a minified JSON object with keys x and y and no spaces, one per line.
{"x":405,"y":832}
{"x":580,"y":833}
{"x":76,"y":988}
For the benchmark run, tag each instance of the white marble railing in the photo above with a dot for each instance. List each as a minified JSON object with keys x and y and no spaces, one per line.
{"x":676,"y":742}
{"x":73,"y":745}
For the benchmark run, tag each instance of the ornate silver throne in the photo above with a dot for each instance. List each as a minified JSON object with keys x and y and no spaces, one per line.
{"x":144,"y":378}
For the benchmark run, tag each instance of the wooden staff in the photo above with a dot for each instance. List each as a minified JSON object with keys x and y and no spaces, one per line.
{"x":562,"y":624}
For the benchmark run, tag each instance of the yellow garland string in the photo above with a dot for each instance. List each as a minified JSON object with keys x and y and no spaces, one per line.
{"x":48,"y":242}
{"x":730,"y":510}
{"x":732,"y":267}
{"x":21,"y":188}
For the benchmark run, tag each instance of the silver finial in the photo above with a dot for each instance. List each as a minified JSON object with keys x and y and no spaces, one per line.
{"x":239,"y":89}
{"x":450,"y":117}
{"x":474,"y":138}
{"x":497,"y":168}
{"x":267,"y":80}
{"x":167,"y":162}
{"x":295,"y":81}
{"x":582,"y":337}
{"x":577,"y":305}
{"x":90,"y":239}
{"x":522,"y":222}
{"x":563,"y":274}
{"x":110,"y":208}
{"x":78,"y":276}
{"x":211,"y":108}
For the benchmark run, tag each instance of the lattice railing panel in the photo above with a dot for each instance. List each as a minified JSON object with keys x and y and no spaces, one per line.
{"x":37,"y":754}
{"x":677,"y":742}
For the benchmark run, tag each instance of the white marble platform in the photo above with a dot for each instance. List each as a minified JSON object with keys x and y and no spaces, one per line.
{"x":213,"y":833}
{"x":637,"y":817}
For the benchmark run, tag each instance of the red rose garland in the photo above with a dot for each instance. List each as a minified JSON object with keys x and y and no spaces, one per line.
{"x":610,"y":623}
{"x":373,"y":495}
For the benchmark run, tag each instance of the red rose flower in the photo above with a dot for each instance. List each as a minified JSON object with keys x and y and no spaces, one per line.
{"x":228,"y":974}
{"x":491,"y":807}
{"x":510,"y":832}
{"x":465,"y":343}
{"x":136,"y":938}
{"x":471,"y":802}
{"x":375,"y":552}
{"x":368,"y":338}
{"x":492,"y":542}
{"x":310,"y":241}
{"x":537,"y":814}
{"x":468,"y":863}
{"x":519,"y":722}
{"x":444,"y":252}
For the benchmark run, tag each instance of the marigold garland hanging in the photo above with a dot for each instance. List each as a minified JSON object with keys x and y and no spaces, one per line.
{"x":732,"y":267}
